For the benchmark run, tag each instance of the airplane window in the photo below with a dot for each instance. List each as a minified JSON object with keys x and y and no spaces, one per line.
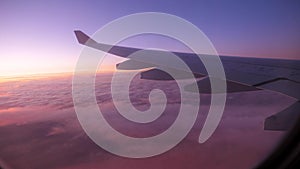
{"x":129,"y":84}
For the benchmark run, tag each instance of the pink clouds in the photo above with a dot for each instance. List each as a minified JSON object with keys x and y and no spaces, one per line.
{"x":39,"y":128}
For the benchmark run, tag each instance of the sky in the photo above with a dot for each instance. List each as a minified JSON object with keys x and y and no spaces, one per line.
{"x":37,"y":36}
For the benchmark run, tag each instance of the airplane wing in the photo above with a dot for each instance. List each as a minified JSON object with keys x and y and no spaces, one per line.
{"x":242,"y":74}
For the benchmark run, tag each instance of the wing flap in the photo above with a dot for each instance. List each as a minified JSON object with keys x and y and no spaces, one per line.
{"x":157,"y":74}
{"x":204,"y":87}
{"x":283,"y":85}
{"x":283,"y":120}
{"x":133,"y":65}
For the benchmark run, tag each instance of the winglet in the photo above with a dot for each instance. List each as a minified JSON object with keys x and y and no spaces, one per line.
{"x":83,"y":38}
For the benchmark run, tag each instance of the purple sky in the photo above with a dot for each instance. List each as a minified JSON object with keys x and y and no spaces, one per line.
{"x":37,"y":36}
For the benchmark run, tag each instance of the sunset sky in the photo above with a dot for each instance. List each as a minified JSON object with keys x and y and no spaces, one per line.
{"x":41,"y":126}
{"x":37,"y":36}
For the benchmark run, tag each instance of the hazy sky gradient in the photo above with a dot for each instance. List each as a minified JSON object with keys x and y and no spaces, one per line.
{"x":37,"y":36}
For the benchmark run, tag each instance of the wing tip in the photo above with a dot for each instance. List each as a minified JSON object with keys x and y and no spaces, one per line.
{"x":83,"y":38}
